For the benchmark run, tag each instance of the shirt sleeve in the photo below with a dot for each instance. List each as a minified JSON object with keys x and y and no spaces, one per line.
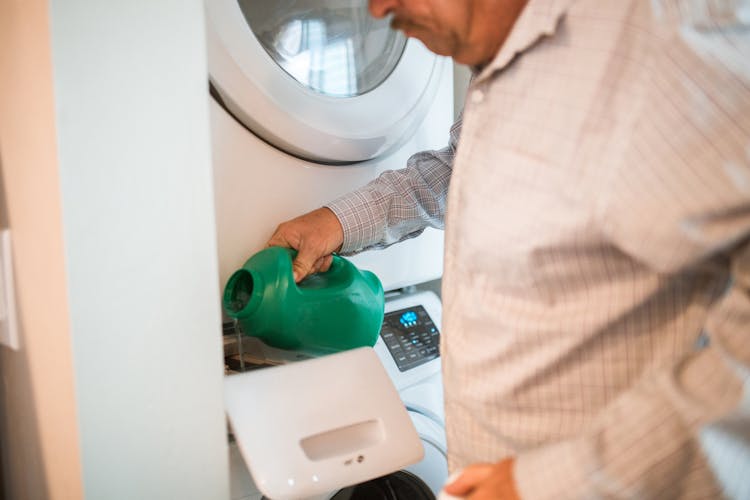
{"x":399,"y":204}
{"x":682,"y":430}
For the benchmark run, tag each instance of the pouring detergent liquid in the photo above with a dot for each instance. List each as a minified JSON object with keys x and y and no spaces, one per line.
{"x":328,"y":312}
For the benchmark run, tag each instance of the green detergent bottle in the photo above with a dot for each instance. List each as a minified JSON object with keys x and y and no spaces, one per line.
{"x":327,"y":312}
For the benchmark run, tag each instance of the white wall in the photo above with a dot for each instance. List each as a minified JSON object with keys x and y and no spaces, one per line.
{"x":461,"y":79}
{"x":138,"y":220}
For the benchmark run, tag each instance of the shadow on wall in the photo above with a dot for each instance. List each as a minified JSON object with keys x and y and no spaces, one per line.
{"x":22,"y":469}
{"x":3,"y":423}
{"x":3,"y":204}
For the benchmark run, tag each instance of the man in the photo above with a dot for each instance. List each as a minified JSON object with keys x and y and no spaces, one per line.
{"x":596,"y":292}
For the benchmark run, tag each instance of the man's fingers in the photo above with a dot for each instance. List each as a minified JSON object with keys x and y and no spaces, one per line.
{"x":485,"y":482}
{"x":279,"y":239}
{"x":323,"y":264}
{"x":301,"y":271}
{"x":469,"y":479}
{"x":303,"y":265}
{"x":314,"y":235}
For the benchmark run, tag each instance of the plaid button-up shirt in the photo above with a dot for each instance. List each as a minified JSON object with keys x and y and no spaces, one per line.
{"x":596,"y":290}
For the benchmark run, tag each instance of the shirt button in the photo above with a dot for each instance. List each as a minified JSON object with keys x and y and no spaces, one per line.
{"x":477,"y":96}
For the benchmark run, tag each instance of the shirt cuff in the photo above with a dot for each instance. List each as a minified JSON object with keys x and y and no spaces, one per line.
{"x":355,"y":212}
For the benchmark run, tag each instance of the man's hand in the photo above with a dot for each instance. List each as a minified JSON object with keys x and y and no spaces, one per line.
{"x":485,"y":482}
{"x":315,"y":236}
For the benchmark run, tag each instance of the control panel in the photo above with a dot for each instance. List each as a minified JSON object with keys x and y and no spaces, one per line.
{"x":411,"y":337}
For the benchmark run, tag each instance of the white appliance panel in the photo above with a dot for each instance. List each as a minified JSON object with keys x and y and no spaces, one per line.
{"x":257,"y":187}
{"x":430,"y":370}
{"x":419,"y":388}
{"x":309,"y":427}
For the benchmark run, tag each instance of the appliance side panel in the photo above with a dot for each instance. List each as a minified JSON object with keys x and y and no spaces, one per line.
{"x":134,"y":151}
{"x":258,"y":187}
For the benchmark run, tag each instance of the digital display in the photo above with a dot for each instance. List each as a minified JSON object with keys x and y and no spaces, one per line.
{"x":408,"y":319}
{"x":411,"y":337}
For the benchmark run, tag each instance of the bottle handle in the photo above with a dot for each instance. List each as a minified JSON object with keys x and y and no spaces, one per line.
{"x":337,"y":264}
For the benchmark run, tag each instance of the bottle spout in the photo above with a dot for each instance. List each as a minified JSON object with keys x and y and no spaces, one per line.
{"x":243,"y":293}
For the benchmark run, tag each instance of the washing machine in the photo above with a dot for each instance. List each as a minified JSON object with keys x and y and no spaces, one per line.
{"x":408,"y":348}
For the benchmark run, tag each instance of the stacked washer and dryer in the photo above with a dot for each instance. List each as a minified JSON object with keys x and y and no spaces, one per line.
{"x":311,"y":99}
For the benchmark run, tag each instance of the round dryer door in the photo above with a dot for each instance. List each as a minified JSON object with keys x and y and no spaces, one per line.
{"x":321,"y":80}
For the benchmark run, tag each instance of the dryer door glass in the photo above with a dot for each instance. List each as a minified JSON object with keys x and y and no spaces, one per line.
{"x":332,"y":47}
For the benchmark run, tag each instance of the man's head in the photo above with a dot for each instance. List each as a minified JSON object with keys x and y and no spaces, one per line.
{"x":469,"y":31}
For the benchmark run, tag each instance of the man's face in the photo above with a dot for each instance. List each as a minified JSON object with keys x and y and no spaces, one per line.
{"x":469,"y":31}
{"x":442,"y":25}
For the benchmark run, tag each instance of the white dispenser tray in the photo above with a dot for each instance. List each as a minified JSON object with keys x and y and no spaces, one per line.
{"x":315,"y":426}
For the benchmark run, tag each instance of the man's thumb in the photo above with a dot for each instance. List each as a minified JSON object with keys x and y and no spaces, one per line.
{"x":302,"y":267}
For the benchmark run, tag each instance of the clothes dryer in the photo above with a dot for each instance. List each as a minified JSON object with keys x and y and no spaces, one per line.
{"x":309,"y":100}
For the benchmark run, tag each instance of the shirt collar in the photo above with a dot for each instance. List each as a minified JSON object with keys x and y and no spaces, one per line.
{"x":539,"y":18}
